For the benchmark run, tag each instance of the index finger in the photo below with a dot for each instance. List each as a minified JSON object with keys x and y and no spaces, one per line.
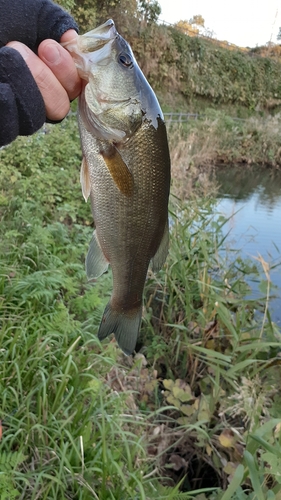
{"x":61,"y":64}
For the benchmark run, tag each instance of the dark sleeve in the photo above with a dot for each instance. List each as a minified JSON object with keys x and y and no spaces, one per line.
{"x":32,"y":21}
{"x":22,"y":109}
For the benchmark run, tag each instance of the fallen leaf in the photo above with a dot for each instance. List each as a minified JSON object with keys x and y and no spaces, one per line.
{"x":209,"y":450}
{"x":182,"y":394}
{"x":187,"y":410}
{"x":168,"y":384}
{"x":227,"y":438}
{"x":173,"y":401}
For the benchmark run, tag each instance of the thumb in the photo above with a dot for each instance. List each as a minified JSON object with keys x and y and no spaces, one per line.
{"x":54,"y":95}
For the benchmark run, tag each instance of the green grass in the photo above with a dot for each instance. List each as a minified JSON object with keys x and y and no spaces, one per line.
{"x":197,"y":410}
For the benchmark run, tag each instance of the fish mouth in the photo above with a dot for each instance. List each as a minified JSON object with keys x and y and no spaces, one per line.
{"x":107,"y":100}
{"x":98,"y":37}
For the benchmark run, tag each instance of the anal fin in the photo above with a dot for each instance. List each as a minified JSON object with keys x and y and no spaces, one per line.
{"x":159,"y":258}
{"x":96,"y":263}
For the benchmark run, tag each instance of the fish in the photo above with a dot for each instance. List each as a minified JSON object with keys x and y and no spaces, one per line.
{"x":125,"y":172}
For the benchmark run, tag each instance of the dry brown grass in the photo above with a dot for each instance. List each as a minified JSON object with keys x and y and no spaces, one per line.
{"x":199,"y":145}
{"x":191,"y":155}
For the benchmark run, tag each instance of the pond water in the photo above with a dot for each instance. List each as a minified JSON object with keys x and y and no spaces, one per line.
{"x":251,"y":199}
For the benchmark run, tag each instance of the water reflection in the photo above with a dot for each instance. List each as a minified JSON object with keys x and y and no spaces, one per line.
{"x":241,"y":183}
{"x":251,"y":198}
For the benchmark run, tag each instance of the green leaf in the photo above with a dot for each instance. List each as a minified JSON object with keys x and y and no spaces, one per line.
{"x":187,"y":410}
{"x":254,"y":475}
{"x":182,"y":394}
{"x":168,"y":384}
{"x":234,"y":484}
{"x":274,"y":449}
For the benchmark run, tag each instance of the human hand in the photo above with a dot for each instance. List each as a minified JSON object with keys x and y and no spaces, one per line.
{"x":54,"y":72}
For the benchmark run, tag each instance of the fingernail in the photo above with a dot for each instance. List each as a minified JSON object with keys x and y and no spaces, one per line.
{"x":51,"y":53}
{"x":24,"y":52}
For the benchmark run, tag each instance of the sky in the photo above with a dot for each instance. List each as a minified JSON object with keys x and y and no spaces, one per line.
{"x":246,"y":23}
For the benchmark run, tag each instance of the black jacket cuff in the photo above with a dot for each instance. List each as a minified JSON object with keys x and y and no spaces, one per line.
{"x":21,"y":103}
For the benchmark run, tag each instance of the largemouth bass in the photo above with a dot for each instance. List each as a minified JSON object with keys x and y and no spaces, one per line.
{"x":125,"y":172}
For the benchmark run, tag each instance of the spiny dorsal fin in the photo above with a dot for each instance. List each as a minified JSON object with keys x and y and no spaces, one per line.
{"x":119,"y":171}
{"x":85,"y":179}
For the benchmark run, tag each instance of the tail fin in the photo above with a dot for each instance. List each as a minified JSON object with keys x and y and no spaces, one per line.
{"x":125,"y":327}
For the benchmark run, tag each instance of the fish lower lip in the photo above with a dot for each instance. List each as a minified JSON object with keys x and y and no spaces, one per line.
{"x":113,"y":101}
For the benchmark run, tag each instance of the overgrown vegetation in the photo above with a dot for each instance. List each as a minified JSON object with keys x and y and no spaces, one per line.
{"x":197,"y":68}
{"x":222,"y":76}
{"x":196,"y":411}
{"x":215,"y":139}
{"x":193,"y":67}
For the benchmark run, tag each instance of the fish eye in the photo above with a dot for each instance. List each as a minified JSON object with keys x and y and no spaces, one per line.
{"x":126,"y":60}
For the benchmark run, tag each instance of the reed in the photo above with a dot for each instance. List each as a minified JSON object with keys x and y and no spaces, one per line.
{"x":217,"y":139}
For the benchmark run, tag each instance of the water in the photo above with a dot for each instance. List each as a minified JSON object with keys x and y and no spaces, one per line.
{"x":251,"y":198}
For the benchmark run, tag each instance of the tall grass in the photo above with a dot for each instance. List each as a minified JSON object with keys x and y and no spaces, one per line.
{"x":219,"y":139}
{"x":196,"y":410}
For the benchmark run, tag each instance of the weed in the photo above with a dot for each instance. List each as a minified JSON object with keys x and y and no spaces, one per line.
{"x":196,"y":412}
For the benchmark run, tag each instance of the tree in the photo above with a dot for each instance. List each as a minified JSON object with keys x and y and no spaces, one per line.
{"x":83,"y":11}
{"x":209,"y":33}
{"x":92,"y":13}
{"x":192,"y":27}
{"x":66,"y":4}
{"x":198,"y":20}
{"x":187,"y":28}
{"x":279,"y":34}
{"x":150,"y":11}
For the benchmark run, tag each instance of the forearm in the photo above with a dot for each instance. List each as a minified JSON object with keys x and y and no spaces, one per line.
{"x":31,"y":21}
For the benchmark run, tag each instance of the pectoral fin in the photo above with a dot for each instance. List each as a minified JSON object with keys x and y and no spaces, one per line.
{"x":119,"y":171}
{"x":159,"y":258}
{"x":96,"y":262}
{"x":85,"y":179}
